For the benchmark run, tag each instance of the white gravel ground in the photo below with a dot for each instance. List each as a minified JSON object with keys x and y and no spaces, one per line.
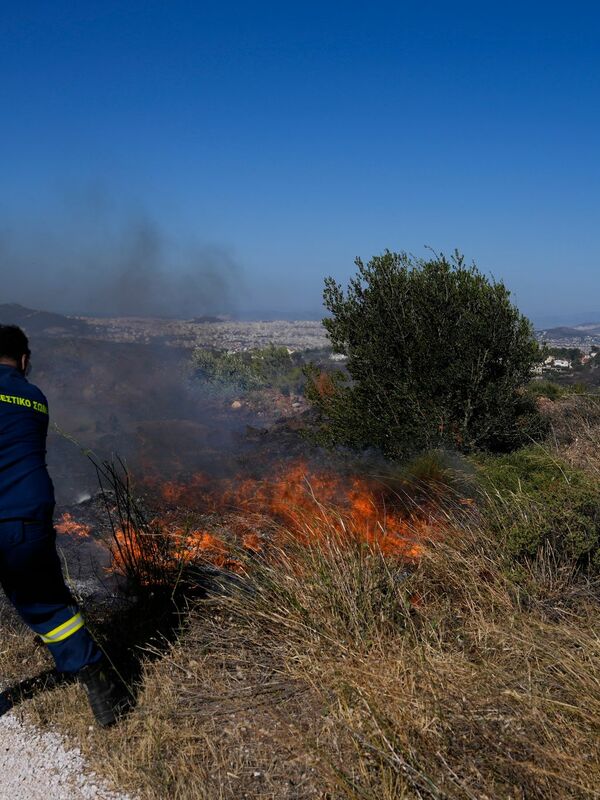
{"x":36,"y":765}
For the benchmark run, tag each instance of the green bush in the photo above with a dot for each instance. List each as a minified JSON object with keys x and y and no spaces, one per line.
{"x":545,"y":388}
{"x":271,"y":367}
{"x":437,"y":357}
{"x":577,"y":388}
{"x":538,"y":501}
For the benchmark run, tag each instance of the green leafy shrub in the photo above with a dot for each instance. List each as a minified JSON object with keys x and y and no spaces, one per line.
{"x":545,"y":388}
{"x":250,"y":369}
{"x":437,"y":357}
{"x":538,"y":501}
{"x":577,"y":388}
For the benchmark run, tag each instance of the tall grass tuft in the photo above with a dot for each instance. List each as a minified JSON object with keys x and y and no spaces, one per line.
{"x":142,"y":551}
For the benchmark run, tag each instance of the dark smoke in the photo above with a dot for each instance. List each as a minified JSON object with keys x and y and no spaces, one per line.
{"x":92,"y":264}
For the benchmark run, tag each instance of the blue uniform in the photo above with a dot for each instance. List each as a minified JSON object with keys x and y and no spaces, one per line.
{"x":26,"y":491}
{"x":30,"y":571}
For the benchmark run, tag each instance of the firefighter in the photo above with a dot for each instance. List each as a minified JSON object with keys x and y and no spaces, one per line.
{"x":30,"y":571}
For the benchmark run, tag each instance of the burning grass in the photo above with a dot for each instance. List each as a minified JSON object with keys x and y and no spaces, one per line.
{"x":393,"y":513}
{"x":337,"y":666}
{"x":67,"y":525}
{"x":333,"y":670}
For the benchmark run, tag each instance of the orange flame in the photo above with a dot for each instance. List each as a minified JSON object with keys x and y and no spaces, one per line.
{"x":310,"y":503}
{"x":67,"y":525}
{"x":184,"y":547}
{"x":297,"y":496}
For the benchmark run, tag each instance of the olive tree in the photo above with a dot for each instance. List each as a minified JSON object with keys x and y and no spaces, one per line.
{"x":437,"y":356}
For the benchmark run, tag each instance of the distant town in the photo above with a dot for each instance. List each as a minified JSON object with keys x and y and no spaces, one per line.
{"x":583,"y":337}
{"x":570,"y":352}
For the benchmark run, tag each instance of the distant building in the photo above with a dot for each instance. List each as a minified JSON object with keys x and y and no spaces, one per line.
{"x":552,"y":364}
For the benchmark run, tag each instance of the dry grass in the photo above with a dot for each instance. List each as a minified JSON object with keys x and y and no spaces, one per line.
{"x":337,"y":674}
{"x":333,"y":672}
{"x":437,"y":684}
{"x":575,"y":430}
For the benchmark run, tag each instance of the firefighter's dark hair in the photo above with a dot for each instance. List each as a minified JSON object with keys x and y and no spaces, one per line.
{"x":13,"y":342}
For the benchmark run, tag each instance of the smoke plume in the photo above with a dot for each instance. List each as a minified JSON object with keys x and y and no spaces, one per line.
{"x":94,"y":264}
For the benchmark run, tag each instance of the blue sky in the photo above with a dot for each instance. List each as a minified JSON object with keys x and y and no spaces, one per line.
{"x":291,"y":137}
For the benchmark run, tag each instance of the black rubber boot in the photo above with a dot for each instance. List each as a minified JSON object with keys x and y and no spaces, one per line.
{"x":108,"y":696}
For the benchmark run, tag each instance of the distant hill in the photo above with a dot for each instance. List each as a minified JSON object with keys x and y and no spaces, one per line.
{"x":35,"y":323}
{"x":576,"y":333}
{"x":593,"y":328}
{"x":210,"y":318}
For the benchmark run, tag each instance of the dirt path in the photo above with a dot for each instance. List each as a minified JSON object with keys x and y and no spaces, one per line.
{"x":37,"y":765}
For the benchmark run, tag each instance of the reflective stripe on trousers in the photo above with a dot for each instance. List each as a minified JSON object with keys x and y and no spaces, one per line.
{"x":63,"y":631}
